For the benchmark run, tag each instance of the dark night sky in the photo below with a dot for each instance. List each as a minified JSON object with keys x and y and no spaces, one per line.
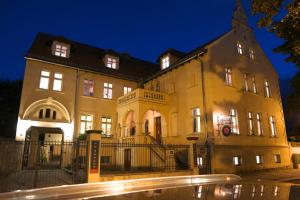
{"x":144,"y":28}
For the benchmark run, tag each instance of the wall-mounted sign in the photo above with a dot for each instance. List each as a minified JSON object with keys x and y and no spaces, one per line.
{"x":94,"y":164}
{"x":226,"y":130}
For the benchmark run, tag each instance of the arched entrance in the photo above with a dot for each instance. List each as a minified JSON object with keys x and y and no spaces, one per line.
{"x":155,"y":125}
{"x":130,"y":124}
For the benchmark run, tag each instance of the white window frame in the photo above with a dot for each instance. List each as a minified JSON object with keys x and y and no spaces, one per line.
{"x":111,"y":62}
{"x":237,"y":160}
{"x":259,"y":124}
{"x":228,"y":76}
{"x":234,"y":120}
{"x":44,"y":79}
{"x":88,"y":87}
{"x":106,"y":125}
{"x":246,"y":85}
{"x":240,"y":48}
{"x":259,"y":159}
{"x":272,"y":123}
{"x":251,"y":54}
{"x":127,"y":89}
{"x":165,"y":62}
{"x":86,"y":122}
{"x":107,"y":90}
{"x":196,"y":120}
{"x":267,"y":89}
{"x":61,"y":50}
{"x":254,"y":88}
{"x":57,"y":82}
{"x":277,"y":158}
{"x":251,"y":123}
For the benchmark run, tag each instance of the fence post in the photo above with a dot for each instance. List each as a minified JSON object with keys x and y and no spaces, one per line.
{"x":93,"y":157}
{"x":192,"y":158}
{"x":36,"y":166}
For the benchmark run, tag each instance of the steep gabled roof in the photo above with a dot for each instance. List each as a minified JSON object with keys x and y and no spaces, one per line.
{"x":90,"y":58}
{"x":195,"y":52}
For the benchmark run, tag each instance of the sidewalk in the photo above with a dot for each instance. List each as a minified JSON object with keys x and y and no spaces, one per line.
{"x":285,"y":175}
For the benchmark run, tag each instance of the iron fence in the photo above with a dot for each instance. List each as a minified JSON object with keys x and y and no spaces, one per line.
{"x":128,"y":158}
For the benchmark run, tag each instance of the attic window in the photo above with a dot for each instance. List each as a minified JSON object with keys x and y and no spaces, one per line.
{"x":112,"y":62}
{"x":61,"y":50}
{"x":165,"y":62}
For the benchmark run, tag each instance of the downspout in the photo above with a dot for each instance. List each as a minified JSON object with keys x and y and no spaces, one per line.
{"x":75,"y":102}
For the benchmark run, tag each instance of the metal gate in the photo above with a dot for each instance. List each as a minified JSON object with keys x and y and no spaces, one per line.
{"x":47,"y":164}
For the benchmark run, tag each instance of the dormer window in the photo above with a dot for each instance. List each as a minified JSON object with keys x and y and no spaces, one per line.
{"x":165,"y":62}
{"x":60,"y":49}
{"x":112,"y":62}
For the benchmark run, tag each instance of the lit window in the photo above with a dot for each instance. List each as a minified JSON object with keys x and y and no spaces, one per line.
{"x":259,"y":124}
{"x":258,"y":159}
{"x":237,"y":191}
{"x":272,"y":125}
{"x":277,"y":158}
{"x":262,"y":188}
{"x":276,"y":191}
{"x":106,"y":125}
{"x":250,"y":122}
{"x":234,"y":121}
{"x":61,"y":50}
{"x":253,"y":191}
{"x":107,"y":91}
{"x":111,"y":62}
{"x":251,"y":54}
{"x":228,"y":76}
{"x":246,"y":82}
{"x":200,"y":161}
{"x":127,"y":90}
{"x":237,"y":160}
{"x":240,"y":48}
{"x":254,"y":85}
{"x":44,"y":80}
{"x":86,"y":122}
{"x":88,"y":87}
{"x":267,"y":89}
{"x":165,"y":62}
{"x":57,"y":83}
{"x":196,"y":120}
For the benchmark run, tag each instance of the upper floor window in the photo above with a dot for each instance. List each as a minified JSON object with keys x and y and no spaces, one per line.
{"x":277,"y":158}
{"x":44,"y":80}
{"x":106,"y":125}
{"x":240,"y":48}
{"x":196,"y":120}
{"x":57,"y":83}
{"x":259,"y":124}
{"x":111,"y":62}
{"x":254,"y":85}
{"x":251,"y":54}
{"x":267,"y":89}
{"x":61,"y":50}
{"x":272,"y":126}
{"x":234,"y":121}
{"x":251,"y":123}
{"x":165,"y":62}
{"x":127,"y":90}
{"x":237,"y":160}
{"x":107,"y":91}
{"x":88,"y":87}
{"x":259,"y":159}
{"x":228,"y":76}
{"x":47,"y":113}
{"x":86,"y":122}
{"x":246,"y":82}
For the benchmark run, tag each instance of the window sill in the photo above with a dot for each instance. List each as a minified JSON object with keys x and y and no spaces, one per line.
{"x":91,"y":97}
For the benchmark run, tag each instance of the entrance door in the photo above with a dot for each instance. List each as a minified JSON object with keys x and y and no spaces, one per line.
{"x":127,"y":159}
{"x":158,"y":129}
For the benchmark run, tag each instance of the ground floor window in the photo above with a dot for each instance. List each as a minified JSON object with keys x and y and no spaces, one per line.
{"x":106,"y":125}
{"x":86,"y":122}
{"x":200,"y":161}
{"x":277,"y":158}
{"x":259,"y":159}
{"x":237,"y":160}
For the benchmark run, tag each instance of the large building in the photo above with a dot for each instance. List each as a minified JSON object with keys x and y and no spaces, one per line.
{"x":223,"y":95}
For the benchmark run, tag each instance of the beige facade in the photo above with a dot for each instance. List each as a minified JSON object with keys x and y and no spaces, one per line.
{"x":227,"y":82}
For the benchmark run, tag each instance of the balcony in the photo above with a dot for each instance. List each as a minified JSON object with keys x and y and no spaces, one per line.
{"x":144,"y":95}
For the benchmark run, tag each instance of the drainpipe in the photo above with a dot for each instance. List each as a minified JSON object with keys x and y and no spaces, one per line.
{"x":75,"y":102}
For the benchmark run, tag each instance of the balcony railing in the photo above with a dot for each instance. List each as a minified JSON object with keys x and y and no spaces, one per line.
{"x":144,"y":95}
